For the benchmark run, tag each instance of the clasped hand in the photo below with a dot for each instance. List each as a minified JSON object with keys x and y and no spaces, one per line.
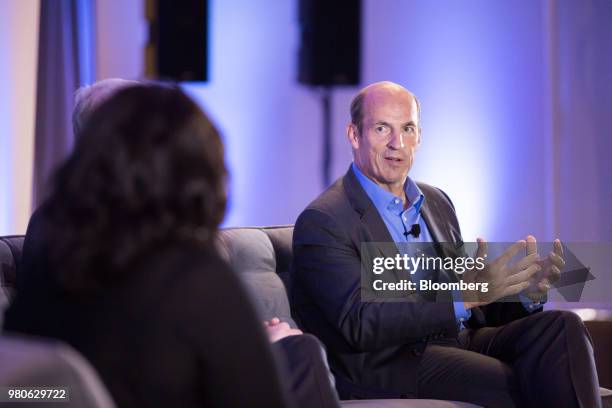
{"x":531,"y":274}
{"x":277,"y":330}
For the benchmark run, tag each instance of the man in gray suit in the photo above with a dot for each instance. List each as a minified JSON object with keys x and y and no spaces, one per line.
{"x":482,"y":350}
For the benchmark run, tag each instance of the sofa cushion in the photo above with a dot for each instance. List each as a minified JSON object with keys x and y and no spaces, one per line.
{"x":250,"y":253}
{"x":282,"y":241}
{"x":10,"y":256}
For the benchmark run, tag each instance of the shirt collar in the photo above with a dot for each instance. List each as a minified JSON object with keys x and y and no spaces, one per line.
{"x":384,"y":200}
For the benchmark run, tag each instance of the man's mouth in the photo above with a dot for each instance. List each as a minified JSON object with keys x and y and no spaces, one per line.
{"x":394,"y":159}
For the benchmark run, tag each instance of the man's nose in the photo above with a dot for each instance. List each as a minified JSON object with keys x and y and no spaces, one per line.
{"x":396,"y":140}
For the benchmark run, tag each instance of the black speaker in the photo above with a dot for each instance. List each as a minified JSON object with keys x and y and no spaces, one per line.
{"x":178,"y":40}
{"x":330,"y":47}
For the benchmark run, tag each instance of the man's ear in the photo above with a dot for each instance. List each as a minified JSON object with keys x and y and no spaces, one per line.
{"x":352,"y":133}
{"x":418,"y":137}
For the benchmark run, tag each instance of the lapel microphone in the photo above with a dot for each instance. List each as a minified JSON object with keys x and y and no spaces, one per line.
{"x":415,"y":230}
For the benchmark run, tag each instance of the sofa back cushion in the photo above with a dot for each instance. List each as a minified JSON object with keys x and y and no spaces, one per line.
{"x":10,"y":256}
{"x":282,"y":242}
{"x":262,"y":258}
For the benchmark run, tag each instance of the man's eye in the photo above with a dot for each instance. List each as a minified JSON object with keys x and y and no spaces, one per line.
{"x":380,"y":129}
{"x":409,"y":129}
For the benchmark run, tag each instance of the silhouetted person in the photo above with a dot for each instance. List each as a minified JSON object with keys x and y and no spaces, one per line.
{"x":134,"y":282}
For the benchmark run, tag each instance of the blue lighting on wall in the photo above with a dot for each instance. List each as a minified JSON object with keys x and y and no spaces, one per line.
{"x":86,"y":41}
{"x":480,"y":82}
{"x":479,"y":78}
{"x":480,"y":69}
{"x":251,"y":97}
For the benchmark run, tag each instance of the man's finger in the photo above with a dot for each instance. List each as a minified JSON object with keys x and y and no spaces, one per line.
{"x":525,"y":262}
{"x":536,"y":296}
{"x":557,"y":260}
{"x":544,"y":286}
{"x":557,"y":247}
{"x":515,"y":289}
{"x":532,"y":245}
{"x":481,"y":251}
{"x":524,"y":275}
{"x":511,"y":251}
{"x":554,"y":275}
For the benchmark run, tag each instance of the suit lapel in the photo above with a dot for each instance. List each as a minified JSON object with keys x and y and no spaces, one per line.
{"x":371,"y":219}
{"x":438,"y":229}
{"x":430,"y":213}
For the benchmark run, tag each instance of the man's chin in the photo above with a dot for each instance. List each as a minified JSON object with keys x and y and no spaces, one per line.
{"x":395,"y":180}
{"x":394,"y":176}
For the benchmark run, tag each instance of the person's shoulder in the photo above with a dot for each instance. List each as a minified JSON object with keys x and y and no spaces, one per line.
{"x":37,"y":224}
{"x":34,"y":261}
{"x":333,"y":201}
{"x":186,"y":262}
{"x":434,"y":193}
{"x":197,"y":259}
{"x":428,"y":189}
{"x":192,"y":273}
{"x":328,"y":218}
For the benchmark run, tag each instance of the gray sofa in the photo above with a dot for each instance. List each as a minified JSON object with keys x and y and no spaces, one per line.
{"x":262,"y":258}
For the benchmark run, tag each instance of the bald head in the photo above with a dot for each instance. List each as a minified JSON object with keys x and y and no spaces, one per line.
{"x":385,"y":134}
{"x":374,"y":91}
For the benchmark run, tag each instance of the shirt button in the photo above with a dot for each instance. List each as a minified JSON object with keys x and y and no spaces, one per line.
{"x":396,"y":201}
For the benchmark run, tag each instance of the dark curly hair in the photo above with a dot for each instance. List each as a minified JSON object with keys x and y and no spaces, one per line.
{"x":147,"y":171}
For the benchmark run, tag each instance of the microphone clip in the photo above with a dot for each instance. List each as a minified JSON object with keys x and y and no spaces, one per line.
{"x":415,"y":231}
